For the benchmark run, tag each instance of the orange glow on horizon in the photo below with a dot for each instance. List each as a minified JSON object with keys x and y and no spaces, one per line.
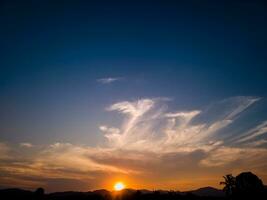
{"x":119,"y":186}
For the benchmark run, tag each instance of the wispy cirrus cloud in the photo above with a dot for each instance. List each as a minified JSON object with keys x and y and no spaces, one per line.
{"x":253,"y":133}
{"x":241,"y":157}
{"x":177,"y":144}
{"x":26,"y":144}
{"x":108,"y":80}
{"x":177,"y":130}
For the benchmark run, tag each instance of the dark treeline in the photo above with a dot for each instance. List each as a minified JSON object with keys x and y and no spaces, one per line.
{"x":244,"y":186}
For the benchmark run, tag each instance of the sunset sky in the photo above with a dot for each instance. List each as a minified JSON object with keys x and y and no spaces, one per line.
{"x":153,"y":94}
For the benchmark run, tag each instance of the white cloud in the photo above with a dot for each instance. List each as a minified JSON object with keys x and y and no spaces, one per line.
{"x":228,"y":155}
{"x":134,"y":111}
{"x":253,"y":133}
{"x":150,"y":138}
{"x":136,"y":108}
{"x":187,"y":115}
{"x":141,"y":130}
{"x":108,"y":80}
{"x":242,"y":104}
{"x":26,"y":144}
{"x":112,"y":134}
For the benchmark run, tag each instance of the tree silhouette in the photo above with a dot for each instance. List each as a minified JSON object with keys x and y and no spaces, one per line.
{"x":38,"y":194}
{"x":248,"y":184}
{"x":229,"y":184}
{"x":243,"y":186}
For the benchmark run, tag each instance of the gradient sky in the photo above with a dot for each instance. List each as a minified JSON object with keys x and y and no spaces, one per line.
{"x":157,"y":94}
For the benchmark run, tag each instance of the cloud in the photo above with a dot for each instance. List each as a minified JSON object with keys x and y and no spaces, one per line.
{"x":26,"y":144}
{"x":135,"y":111}
{"x":141,"y":130}
{"x":57,"y":161}
{"x":152,"y":144}
{"x":253,"y":133}
{"x":258,"y":143}
{"x":63,"y":155}
{"x":242,"y":104}
{"x":4,"y":151}
{"x":136,"y":108}
{"x":108,"y":80}
{"x":228,"y":155}
{"x":186,"y":115}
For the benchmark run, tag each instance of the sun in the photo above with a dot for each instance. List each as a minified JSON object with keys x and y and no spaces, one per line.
{"x":119,"y":186}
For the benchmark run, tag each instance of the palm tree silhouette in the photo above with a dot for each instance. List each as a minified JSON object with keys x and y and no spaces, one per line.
{"x":229,"y":184}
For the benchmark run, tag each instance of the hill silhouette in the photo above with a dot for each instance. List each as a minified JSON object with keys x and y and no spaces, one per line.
{"x":244,"y":186}
{"x":126,"y":194}
{"x":208,"y":191}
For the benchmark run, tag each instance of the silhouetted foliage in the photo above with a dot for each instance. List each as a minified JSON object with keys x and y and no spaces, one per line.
{"x":248,"y":185}
{"x":97,"y":195}
{"x":229,"y":184}
{"x":39,"y":193}
{"x":244,"y":186}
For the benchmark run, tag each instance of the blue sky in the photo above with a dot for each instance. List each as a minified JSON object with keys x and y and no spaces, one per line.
{"x":63,"y":65}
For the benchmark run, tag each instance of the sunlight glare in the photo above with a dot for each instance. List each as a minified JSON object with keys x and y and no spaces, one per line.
{"x":119,"y":186}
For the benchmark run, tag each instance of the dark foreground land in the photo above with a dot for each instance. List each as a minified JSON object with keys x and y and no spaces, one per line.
{"x":207,"y":193}
{"x":244,"y":186}
{"x":127,"y":194}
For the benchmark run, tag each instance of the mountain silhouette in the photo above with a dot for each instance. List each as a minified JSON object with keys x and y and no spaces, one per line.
{"x":245,"y":185}
{"x":208,"y":191}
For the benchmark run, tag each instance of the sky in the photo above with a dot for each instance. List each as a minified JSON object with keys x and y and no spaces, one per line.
{"x":156,"y":94}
